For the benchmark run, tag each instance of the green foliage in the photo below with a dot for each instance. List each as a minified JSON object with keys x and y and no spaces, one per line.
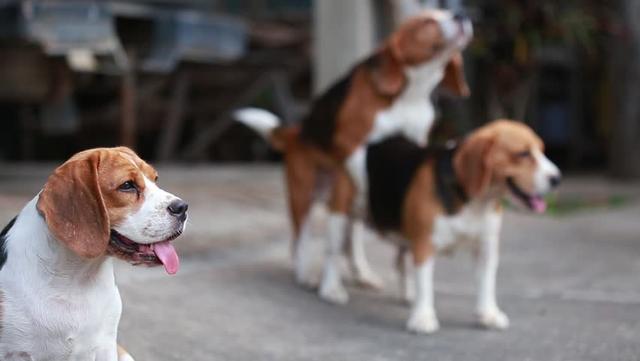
{"x":511,"y":31}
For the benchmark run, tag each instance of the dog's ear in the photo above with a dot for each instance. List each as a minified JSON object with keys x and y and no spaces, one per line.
{"x":387,"y":72}
{"x":73,"y":208}
{"x":126,"y":150}
{"x":471,"y":164}
{"x":454,"y":79}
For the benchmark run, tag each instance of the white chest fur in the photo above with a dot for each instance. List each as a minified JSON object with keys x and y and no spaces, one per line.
{"x":55,"y":305}
{"x":412,"y":114}
{"x":475,"y":221}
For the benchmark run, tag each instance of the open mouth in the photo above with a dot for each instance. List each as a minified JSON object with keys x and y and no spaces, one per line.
{"x":535,"y":202}
{"x":153,"y":254}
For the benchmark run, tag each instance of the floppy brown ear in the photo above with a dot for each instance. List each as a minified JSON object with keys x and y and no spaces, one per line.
{"x":471,"y":165}
{"x":387,"y":73}
{"x":126,"y":150}
{"x":73,"y":208}
{"x":454,"y":80}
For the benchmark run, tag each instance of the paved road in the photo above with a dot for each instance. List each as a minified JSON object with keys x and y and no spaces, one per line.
{"x":570,"y":284}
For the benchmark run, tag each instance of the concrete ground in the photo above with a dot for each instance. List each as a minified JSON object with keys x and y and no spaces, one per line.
{"x":570,"y":283}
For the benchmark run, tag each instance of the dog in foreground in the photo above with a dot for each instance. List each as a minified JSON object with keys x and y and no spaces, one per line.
{"x":428,"y":199}
{"x":58,"y":297}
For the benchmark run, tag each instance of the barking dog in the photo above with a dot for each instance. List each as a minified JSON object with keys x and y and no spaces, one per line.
{"x":58,"y":298}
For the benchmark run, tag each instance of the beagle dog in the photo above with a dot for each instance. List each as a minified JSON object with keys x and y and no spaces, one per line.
{"x":430,"y":199}
{"x":58,"y":297}
{"x":386,"y":94}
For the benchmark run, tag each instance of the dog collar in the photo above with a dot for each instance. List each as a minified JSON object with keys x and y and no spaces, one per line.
{"x":449,"y":190}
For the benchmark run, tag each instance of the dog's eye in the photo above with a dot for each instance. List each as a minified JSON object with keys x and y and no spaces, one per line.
{"x":128,"y":186}
{"x":523,"y":154}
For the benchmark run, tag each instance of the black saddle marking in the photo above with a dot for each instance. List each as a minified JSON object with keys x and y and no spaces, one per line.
{"x":391,"y":167}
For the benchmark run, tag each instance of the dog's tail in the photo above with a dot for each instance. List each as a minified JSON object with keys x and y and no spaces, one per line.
{"x":265,"y":123}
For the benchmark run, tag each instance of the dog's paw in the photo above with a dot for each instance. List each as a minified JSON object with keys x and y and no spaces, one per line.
{"x":493,"y":319}
{"x":369,"y":280}
{"x":306,"y":281}
{"x":334,"y":293}
{"x":423,"y":323}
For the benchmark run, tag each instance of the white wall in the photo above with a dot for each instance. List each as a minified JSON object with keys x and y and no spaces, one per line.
{"x":344,"y":34}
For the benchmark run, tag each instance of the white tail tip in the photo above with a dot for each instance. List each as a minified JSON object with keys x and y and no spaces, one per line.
{"x":260,"y":120}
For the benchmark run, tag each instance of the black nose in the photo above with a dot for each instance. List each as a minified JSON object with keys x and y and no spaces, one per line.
{"x":178,"y":208}
{"x":555,"y":180}
{"x":459,"y":16}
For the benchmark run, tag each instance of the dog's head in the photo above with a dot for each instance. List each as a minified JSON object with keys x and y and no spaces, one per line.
{"x":106,"y":201}
{"x":434,"y":37}
{"x":506,"y":156}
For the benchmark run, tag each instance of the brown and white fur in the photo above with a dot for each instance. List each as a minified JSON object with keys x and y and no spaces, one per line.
{"x":502,"y":158}
{"x":58,"y":297}
{"x":387,"y":94}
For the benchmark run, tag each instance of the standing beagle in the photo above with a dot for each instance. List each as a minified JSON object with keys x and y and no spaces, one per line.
{"x":386,"y":94}
{"x":58,"y":297}
{"x":429,"y":199}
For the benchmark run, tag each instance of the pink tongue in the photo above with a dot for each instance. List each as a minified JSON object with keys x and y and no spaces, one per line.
{"x":168,"y":256}
{"x":538,"y":204}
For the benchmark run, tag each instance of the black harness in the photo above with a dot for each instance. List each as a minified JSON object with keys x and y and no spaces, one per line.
{"x":449,"y":190}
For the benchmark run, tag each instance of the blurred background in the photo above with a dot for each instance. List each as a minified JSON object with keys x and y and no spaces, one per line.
{"x":163,"y":76}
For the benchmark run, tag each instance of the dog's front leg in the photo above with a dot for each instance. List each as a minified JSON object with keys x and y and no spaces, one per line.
{"x":302,"y":257}
{"x":362,"y":272}
{"x":488,"y":312}
{"x":406,"y":280}
{"x":331,"y":288}
{"x":423,"y":315}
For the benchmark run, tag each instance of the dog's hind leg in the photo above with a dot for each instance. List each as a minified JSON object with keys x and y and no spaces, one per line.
{"x":302,"y":256}
{"x":301,"y":175}
{"x":331,"y":287}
